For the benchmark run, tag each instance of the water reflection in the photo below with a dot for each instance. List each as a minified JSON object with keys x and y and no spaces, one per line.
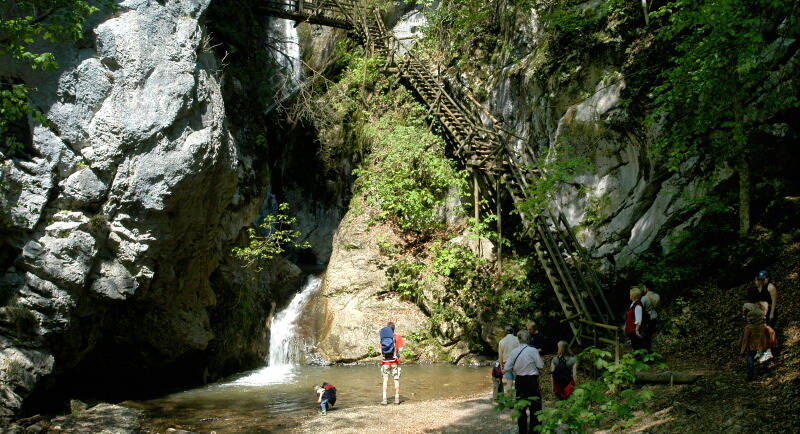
{"x":257,"y":402}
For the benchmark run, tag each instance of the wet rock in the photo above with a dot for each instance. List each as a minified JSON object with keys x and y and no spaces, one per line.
{"x":354,"y":304}
{"x":77,"y":406}
{"x":101,"y":418}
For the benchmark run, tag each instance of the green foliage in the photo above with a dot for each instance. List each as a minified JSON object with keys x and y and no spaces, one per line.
{"x":22,"y":318}
{"x":404,"y":279}
{"x":372,"y":351}
{"x":408,"y":176}
{"x":24,"y":23}
{"x":468,"y":31}
{"x":608,"y":397}
{"x":279,"y":233}
{"x":550,"y":173}
{"x":727,"y":51}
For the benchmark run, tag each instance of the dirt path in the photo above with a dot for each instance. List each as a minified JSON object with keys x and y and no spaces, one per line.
{"x":456,"y":415}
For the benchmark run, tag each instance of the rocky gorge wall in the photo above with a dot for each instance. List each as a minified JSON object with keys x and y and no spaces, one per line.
{"x":624,"y":203}
{"x":121,"y":214}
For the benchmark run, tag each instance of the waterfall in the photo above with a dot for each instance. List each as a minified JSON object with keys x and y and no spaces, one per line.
{"x":285,"y":347}
{"x":286,"y":50}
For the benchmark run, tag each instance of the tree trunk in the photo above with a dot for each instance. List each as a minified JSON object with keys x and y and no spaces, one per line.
{"x":743,"y":168}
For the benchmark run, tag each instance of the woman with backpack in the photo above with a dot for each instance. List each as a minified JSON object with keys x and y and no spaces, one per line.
{"x":635,"y":326}
{"x":564,"y":368}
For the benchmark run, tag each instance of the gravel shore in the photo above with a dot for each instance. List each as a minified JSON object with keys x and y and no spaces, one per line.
{"x":471,"y":414}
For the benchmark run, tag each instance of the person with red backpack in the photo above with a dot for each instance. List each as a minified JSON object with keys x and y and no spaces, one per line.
{"x":327,"y":396}
{"x":635,"y":322}
{"x":564,"y":369}
{"x":391,"y":344}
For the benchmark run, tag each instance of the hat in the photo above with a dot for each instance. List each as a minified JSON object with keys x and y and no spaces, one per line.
{"x":763,"y":274}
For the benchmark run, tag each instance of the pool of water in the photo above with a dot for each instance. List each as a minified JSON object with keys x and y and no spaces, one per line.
{"x":273,"y":399}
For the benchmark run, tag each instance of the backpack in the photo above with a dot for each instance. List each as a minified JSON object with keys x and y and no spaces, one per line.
{"x":387,"y":342}
{"x":497,"y":370}
{"x":562,"y":375}
{"x":330,"y":391}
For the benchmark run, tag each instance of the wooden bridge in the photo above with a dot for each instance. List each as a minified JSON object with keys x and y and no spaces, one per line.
{"x":496,"y":168}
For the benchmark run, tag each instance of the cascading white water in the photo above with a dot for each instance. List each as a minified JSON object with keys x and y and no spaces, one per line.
{"x":285,"y":347}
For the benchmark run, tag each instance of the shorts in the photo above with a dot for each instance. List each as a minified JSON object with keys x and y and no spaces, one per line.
{"x":508,"y":375}
{"x":394,"y":370}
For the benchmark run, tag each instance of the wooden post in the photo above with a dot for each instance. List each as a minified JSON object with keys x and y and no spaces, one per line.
{"x":616,"y":347}
{"x":476,"y":201}
{"x":497,"y":198}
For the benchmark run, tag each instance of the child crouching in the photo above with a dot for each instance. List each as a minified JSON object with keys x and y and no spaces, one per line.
{"x":327,"y":396}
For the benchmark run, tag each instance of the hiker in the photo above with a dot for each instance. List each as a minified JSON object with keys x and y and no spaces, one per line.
{"x":506,"y":345}
{"x":526,"y":363}
{"x":391,"y":344}
{"x":538,"y":340}
{"x":564,"y":368}
{"x":327,"y":396}
{"x":650,"y":300}
{"x":757,"y":335}
{"x":769,"y":294}
{"x":635,"y":326}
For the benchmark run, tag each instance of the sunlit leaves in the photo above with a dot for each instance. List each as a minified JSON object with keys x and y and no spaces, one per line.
{"x":276,"y":233}
{"x":609,"y":397}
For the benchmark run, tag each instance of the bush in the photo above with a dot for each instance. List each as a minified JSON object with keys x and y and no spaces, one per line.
{"x":608,"y":397}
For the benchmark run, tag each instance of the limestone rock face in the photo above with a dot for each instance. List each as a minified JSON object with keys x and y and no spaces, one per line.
{"x":354,"y":305}
{"x":122,"y":207}
{"x":625,"y":201}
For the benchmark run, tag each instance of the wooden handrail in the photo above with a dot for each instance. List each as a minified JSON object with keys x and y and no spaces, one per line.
{"x":600,"y":325}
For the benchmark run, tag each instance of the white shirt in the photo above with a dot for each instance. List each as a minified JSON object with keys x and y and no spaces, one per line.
{"x":506,"y":346}
{"x":529,"y":361}
{"x":637,"y":313}
{"x":649,"y":300}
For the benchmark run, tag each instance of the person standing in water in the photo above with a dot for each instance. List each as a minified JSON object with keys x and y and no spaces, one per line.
{"x":391,"y":345}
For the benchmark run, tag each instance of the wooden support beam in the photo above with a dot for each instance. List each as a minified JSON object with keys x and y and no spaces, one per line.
{"x":670,"y":377}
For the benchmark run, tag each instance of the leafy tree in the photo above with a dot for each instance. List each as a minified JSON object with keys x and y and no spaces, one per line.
{"x":275,"y":234}
{"x":23,"y":23}
{"x":730,"y":78}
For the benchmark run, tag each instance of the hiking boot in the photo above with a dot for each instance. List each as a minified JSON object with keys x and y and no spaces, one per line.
{"x":324,"y":412}
{"x":397,"y":400}
{"x":384,"y":402}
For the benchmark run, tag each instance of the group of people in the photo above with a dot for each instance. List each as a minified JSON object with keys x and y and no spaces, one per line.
{"x":642,"y":318}
{"x":391,"y":345}
{"x":520,"y":364}
{"x":759,"y":341}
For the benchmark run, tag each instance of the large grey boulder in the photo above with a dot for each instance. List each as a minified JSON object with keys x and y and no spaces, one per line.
{"x":124,"y":204}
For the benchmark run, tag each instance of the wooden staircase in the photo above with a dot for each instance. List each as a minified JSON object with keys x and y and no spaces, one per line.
{"x":498,"y":169}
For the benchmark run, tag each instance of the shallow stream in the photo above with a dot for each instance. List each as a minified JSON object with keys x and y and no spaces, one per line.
{"x":271,"y":400}
{"x":276,"y":397}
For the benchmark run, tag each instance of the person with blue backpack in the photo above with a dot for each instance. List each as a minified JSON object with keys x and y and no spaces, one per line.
{"x":391,"y":345}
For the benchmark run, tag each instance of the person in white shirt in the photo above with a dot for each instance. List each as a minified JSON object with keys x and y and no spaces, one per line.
{"x":650,"y":301}
{"x":526,"y":363}
{"x":635,"y":322}
{"x":506,"y":345}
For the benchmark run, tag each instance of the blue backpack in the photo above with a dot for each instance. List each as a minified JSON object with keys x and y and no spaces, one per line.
{"x":387,"y":342}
